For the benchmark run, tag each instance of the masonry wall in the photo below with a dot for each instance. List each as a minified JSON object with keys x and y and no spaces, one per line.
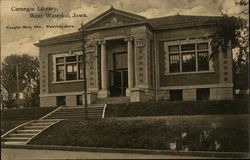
{"x":219,"y":81}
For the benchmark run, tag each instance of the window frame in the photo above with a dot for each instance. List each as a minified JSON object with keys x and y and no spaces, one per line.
{"x":196,"y":41}
{"x":64,"y":55}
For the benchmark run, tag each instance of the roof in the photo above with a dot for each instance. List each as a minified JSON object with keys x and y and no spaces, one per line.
{"x":181,"y":20}
{"x":168,"y":22}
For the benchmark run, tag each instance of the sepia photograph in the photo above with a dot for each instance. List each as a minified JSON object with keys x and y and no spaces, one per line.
{"x":124,"y":79}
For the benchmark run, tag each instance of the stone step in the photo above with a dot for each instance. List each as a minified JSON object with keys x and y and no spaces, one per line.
{"x":40,"y":123}
{"x":21,"y":135}
{"x":76,"y":110}
{"x":16,"y":139}
{"x":72,"y":115}
{"x":69,"y":117}
{"x":82,"y":112}
{"x":14,"y":142}
{"x":83,"y":107}
{"x":46,"y":121}
{"x":113,"y":100}
{"x":28,"y":131}
{"x":34,"y":127}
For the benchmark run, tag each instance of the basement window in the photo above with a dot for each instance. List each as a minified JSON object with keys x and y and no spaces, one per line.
{"x":176,"y":95}
{"x":61,"y":101}
{"x":79,"y":100}
{"x":203,"y":94}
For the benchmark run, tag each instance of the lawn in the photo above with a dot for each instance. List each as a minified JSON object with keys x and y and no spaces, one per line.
{"x":11,"y":118}
{"x":165,"y":108}
{"x":227,"y":133}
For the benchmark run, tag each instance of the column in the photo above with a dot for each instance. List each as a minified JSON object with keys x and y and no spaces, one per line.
{"x":104,"y":66}
{"x":130,"y":65}
{"x":104,"y":73}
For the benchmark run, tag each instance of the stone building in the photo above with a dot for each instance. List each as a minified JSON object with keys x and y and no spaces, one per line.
{"x":143,"y":59}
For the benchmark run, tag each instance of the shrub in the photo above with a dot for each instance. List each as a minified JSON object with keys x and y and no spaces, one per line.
{"x":177,"y":108}
{"x":207,"y":133}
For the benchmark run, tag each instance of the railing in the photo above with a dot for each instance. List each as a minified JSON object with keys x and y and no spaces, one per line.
{"x":104,"y":109}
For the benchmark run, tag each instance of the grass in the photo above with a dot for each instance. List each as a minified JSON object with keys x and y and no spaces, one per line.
{"x":204,"y":132}
{"x":11,"y":118}
{"x":177,"y":108}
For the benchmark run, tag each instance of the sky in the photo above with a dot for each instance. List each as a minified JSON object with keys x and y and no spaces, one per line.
{"x":20,"y":41}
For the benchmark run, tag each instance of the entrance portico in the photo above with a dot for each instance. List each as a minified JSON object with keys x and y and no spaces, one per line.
{"x":117,"y":67}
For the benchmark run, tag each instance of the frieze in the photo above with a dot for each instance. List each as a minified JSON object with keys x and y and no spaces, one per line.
{"x":114,"y":21}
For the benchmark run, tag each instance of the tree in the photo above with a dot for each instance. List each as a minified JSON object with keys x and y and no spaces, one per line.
{"x":20,"y":68}
{"x":234,"y":31}
{"x":87,"y":58}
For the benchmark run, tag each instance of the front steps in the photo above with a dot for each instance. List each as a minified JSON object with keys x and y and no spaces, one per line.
{"x":113,"y":100}
{"x":94,"y":111}
{"x":23,"y":134}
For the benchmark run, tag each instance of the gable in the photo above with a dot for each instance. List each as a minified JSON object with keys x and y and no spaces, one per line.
{"x":114,"y":19}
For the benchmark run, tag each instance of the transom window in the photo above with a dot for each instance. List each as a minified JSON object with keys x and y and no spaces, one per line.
{"x":187,"y":57}
{"x":69,"y":68}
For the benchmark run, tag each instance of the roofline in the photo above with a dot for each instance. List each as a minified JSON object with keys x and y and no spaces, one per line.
{"x":70,"y":37}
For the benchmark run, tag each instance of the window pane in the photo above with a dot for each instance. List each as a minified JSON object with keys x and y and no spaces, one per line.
{"x":188,"y":62}
{"x":60,"y":72}
{"x":80,"y":70}
{"x":71,"y":72}
{"x":174,"y":63}
{"x":60,"y":60}
{"x":187,"y":47}
{"x":203,"y":61}
{"x":202,"y":46}
{"x":173,"y":48}
{"x":71,"y":59}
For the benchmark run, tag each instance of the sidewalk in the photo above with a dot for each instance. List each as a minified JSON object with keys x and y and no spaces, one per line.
{"x":133,"y":151}
{"x":35,"y":154}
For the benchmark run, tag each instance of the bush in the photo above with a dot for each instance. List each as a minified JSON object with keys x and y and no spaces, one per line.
{"x":24,"y":113}
{"x":10,"y":103}
{"x":177,"y":108}
{"x":207,"y":133}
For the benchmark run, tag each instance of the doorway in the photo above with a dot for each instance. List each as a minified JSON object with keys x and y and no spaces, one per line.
{"x":119,"y":75}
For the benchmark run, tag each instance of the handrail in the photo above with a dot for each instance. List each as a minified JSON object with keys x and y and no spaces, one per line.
{"x":43,"y":130}
{"x":50,"y":113}
{"x":16,"y":128}
{"x":104,"y":109}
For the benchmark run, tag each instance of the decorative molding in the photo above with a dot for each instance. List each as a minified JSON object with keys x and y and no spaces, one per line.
{"x":128,"y":39}
{"x":140,"y":43}
{"x":222,"y":85}
{"x":114,"y":21}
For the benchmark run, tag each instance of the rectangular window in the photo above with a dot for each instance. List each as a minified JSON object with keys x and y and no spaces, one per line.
{"x":69,"y":67}
{"x":187,"y":47}
{"x":203,"y":94}
{"x":173,"y":48}
{"x":188,"y":57}
{"x":176,"y":95}
{"x":203,"y":61}
{"x":79,"y":100}
{"x":174,"y":63}
{"x":71,"y":59}
{"x":188,"y":62}
{"x":60,"y":60}
{"x":71,"y":73}
{"x":60,"y":72}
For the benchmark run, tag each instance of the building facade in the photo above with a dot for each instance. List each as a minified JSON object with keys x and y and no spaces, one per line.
{"x":129,"y":55}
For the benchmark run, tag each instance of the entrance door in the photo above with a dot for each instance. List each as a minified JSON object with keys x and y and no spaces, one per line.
{"x":119,"y":76}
